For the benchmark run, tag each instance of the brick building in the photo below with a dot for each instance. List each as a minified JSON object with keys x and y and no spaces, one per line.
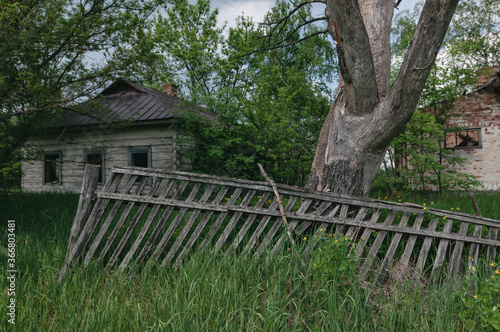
{"x":477,"y":114}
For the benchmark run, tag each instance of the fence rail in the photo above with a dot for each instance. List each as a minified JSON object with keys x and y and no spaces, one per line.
{"x":150,"y":216}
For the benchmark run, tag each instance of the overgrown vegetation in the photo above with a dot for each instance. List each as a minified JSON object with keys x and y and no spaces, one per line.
{"x":232,"y":294}
{"x":418,"y":161}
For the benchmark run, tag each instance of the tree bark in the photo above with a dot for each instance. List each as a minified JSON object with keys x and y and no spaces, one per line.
{"x":367,"y":113}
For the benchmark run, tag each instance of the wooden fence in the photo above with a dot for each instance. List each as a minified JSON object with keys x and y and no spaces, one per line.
{"x":160,"y":217}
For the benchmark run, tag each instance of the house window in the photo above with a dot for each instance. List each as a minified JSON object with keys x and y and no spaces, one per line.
{"x":96,"y":158}
{"x":140,"y":157}
{"x":52,"y":167}
{"x":464,"y":139}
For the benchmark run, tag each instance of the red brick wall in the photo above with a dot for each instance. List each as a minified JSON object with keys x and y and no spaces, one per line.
{"x":480,"y":109}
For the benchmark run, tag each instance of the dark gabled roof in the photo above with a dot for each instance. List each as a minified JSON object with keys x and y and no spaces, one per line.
{"x":124,"y":101}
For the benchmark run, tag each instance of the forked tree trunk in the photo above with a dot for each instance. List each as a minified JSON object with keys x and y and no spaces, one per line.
{"x":367,"y":112}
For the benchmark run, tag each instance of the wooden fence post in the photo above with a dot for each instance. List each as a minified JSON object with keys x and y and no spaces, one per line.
{"x":89,"y":185}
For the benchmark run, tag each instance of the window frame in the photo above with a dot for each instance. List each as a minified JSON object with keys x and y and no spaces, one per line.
{"x":133,"y":150}
{"x":102,"y":171}
{"x":466,"y":130}
{"x":58,"y":166}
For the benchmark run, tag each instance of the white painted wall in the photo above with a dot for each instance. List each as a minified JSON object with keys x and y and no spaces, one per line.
{"x":162,"y":140}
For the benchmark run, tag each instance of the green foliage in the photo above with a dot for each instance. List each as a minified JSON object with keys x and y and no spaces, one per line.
{"x":482,"y":305}
{"x":332,"y":259}
{"x":269,"y":105}
{"x":47,"y":50}
{"x":418,"y":160}
{"x":472,"y":42}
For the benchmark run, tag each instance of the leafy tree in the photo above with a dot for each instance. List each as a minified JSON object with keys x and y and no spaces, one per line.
{"x":46,"y":59}
{"x":268,"y":102}
{"x":420,"y":162}
{"x":417,"y":157}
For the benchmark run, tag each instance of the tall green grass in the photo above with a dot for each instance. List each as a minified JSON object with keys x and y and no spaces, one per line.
{"x":208,"y":292}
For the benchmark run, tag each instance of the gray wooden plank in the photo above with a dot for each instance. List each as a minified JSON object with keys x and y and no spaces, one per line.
{"x":199,"y":228}
{"x":187,"y":227}
{"x":220,"y":219}
{"x":293,"y":224}
{"x":121,"y":221}
{"x":232,"y":223}
{"x":89,"y":186}
{"x":253,"y":241}
{"x":441,"y":253}
{"x":173,"y":225}
{"x":89,"y":227}
{"x":105,"y":226}
{"x":424,"y":251}
{"x":342,"y":219}
{"x":161,"y":223}
{"x":474,"y":250}
{"x":375,"y":247}
{"x":272,"y":232}
{"x":366,"y":233}
{"x":133,"y":224}
{"x":246,"y":226}
{"x":405,"y":258}
{"x":289,"y":190}
{"x":492,"y":250}
{"x":352,"y":232}
{"x":456,"y":256}
{"x":154,"y":211}
{"x":384,"y":267}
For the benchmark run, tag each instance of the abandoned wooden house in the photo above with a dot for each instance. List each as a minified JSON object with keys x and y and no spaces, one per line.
{"x":477,"y":115}
{"x":127,"y":124}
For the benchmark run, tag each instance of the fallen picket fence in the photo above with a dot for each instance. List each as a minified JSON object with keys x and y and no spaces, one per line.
{"x":150,"y":216}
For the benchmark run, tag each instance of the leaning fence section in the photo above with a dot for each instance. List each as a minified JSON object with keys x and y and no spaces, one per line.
{"x":161,"y":217}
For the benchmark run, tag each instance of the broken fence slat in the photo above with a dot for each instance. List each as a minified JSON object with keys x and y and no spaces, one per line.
{"x":89,"y":186}
{"x":203,"y":222}
{"x":384,"y":267}
{"x":441,"y":252}
{"x":424,"y":251}
{"x":405,"y":258}
{"x":456,"y":256}
{"x":375,"y":247}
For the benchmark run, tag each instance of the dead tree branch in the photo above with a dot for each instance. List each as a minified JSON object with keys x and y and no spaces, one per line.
{"x":282,"y":210}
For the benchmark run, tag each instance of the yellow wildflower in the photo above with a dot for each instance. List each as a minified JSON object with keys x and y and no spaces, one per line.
{"x":475,"y":296}
{"x":497,"y":272}
{"x":445,"y":217}
{"x":451,"y":209}
{"x":492,"y":264}
{"x":305,"y":238}
{"x":458,"y":209}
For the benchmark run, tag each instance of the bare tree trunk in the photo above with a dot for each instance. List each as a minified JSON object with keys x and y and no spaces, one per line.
{"x":367,"y":113}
